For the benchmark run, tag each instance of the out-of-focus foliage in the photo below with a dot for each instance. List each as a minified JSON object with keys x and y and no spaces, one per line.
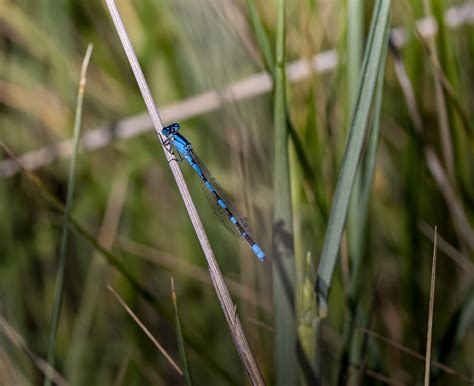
{"x":126,"y":198}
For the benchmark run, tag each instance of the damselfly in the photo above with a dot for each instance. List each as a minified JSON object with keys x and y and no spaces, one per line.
{"x":214,"y":193}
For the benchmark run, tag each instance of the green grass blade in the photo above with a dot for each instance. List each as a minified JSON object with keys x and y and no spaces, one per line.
{"x":65,"y":231}
{"x":283,"y":257}
{"x":370,"y":69}
{"x":355,"y":27}
{"x":368,"y":170}
{"x":262,"y":38}
{"x":360,"y":213}
{"x":179,"y":334}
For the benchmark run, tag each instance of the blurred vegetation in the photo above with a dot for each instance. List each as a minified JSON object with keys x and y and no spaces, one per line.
{"x":126,"y":199}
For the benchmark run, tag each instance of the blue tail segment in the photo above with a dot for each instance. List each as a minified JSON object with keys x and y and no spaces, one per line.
{"x":258,"y":252}
{"x":214,"y":193}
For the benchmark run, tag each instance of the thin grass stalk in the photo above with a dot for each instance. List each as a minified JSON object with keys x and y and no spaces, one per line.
{"x":147,"y":332}
{"x":117,"y":263}
{"x":357,"y":247}
{"x":262,"y":38}
{"x":370,"y":69}
{"x":355,"y":26}
{"x":179,"y":335}
{"x":59,"y":289}
{"x":225,"y":300}
{"x":286,"y":365}
{"x":430,"y":311}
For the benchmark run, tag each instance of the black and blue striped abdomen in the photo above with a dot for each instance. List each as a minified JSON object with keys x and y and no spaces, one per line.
{"x":221,"y":205}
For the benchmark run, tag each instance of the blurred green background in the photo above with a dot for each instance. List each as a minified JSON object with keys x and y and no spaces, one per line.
{"x":127,"y":199}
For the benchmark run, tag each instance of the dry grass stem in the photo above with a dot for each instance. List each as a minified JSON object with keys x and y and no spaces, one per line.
{"x":430,"y":311}
{"x":146,"y":331}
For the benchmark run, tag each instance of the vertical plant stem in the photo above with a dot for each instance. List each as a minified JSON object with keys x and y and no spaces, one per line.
{"x":228,"y":307}
{"x":147,"y":332}
{"x":59,"y":289}
{"x":373,"y":59}
{"x":285,"y":362}
{"x":430,"y":312}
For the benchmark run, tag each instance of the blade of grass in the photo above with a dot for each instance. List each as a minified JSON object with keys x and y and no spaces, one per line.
{"x":430,"y":311}
{"x":361,"y":217}
{"x":262,"y":38}
{"x":370,"y":70}
{"x":59,"y":290}
{"x":146,"y":331}
{"x":457,"y":257}
{"x":228,"y":307}
{"x":179,"y":335}
{"x":286,"y":365}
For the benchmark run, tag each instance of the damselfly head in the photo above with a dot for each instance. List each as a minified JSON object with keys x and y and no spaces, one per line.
{"x":170,"y":130}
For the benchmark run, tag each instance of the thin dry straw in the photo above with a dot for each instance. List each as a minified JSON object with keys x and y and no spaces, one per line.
{"x":146,"y":331}
{"x":254,"y":85}
{"x":430,"y":312}
{"x":228,"y":306}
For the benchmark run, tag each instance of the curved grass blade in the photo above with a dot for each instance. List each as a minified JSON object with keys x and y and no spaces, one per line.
{"x":147,"y":332}
{"x":179,"y":334}
{"x":370,"y":69}
{"x":65,"y":231}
